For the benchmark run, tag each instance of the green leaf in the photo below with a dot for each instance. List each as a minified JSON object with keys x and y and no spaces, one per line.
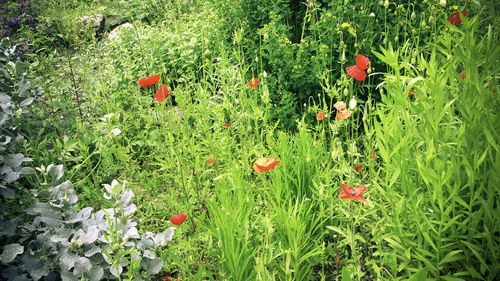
{"x":394,"y":176}
{"x":336,"y":229}
{"x":451,"y":257}
{"x":421,"y":275}
{"x":347,"y":273}
{"x":10,"y":252}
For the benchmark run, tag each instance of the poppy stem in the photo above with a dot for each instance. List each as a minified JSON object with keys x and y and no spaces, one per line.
{"x":183,"y":183}
{"x":74,"y":85}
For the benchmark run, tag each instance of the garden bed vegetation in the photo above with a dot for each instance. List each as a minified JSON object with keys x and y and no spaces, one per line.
{"x":249,"y":140}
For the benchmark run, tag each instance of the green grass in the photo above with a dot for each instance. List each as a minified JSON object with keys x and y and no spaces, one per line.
{"x":432,"y":189}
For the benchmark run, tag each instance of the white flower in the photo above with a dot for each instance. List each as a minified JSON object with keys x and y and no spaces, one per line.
{"x":116,"y":131}
{"x":264,"y":74}
{"x":352,"y":103}
{"x":442,"y":3}
{"x":372,"y":14}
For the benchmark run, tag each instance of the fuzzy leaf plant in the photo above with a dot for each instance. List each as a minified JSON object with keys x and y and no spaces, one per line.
{"x":60,"y":240}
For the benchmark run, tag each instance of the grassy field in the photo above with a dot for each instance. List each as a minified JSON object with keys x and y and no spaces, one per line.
{"x":250,"y":140}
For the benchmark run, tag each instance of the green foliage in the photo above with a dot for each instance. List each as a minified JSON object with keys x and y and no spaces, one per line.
{"x":431,"y":186}
{"x":16,"y":93}
{"x":439,"y":156}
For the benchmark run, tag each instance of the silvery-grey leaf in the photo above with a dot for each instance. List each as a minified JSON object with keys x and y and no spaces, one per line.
{"x":135,"y":257}
{"x":105,"y":257}
{"x":6,"y":141}
{"x":21,"y":277}
{"x":9,"y":175}
{"x":10,"y":252}
{"x":114,"y":271}
{"x":50,"y":218}
{"x":56,"y":172}
{"x":129,"y":210}
{"x":127,"y":197}
{"x":67,"y":261}
{"x":15,"y":160}
{"x":132,"y":233}
{"x":7,"y":193}
{"x":27,"y":101}
{"x":35,"y":267}
{"x":59,"y":239}
{"x":68,"y":276}
{"x":9,"y":227}
{"x":152,"y":266}
{"x":169,"y":234}
{"x":149,"y":254}
{"x":66,"y":192}
{"x":82,"y":265}
{"x":84,"y":214}
{"x":91,"y":235}
{"x":96,"y":273}
{"x":92,"y":251}
{"x":28,"y":171}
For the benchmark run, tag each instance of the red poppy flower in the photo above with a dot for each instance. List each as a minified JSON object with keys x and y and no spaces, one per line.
{"x":462,"y":74}
{"x":351,"y":193}
{"x":358,"y":168}
{"x":162,"y":93}
{"x":178,"y":219}
{"x":337,"y":261}
{"x":358,"y":71}
{"x":253,"y":82}
{"x":373,"y":154}
{"x":410,"y":93}
{"x":264,"y":164}
{"x":166,"y":277}
{"x":343,"y":114}
{"x":340,"y":105}
{"x":320,"y":116}
{"x":455,"y":18}
{"x":228,"y":124}
{"x":210,"y":161}
{"x":149,"y":81}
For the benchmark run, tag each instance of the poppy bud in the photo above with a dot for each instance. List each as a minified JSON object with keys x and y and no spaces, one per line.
{"x":264,"y":74}
{"x":386,"y":4}
{"x":335,"y":154}
{"x":396,"y":38}
{"x":381,"y":3}
{"x":346,"y":92}
{"x":424,"y":24}
{"x":431,"y":19}
{"x":256,"y":59}
{"x":442,"y":3}
{"x":352,"y":103}
{"x":310,"y":5}
{"x":413,"y":16}
{"x":369,"y":70}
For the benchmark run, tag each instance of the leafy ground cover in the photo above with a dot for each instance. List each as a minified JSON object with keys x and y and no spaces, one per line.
{"x":280,"y":140}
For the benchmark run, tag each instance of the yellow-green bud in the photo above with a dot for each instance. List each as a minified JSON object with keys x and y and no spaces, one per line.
{"x":386,"y":4}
